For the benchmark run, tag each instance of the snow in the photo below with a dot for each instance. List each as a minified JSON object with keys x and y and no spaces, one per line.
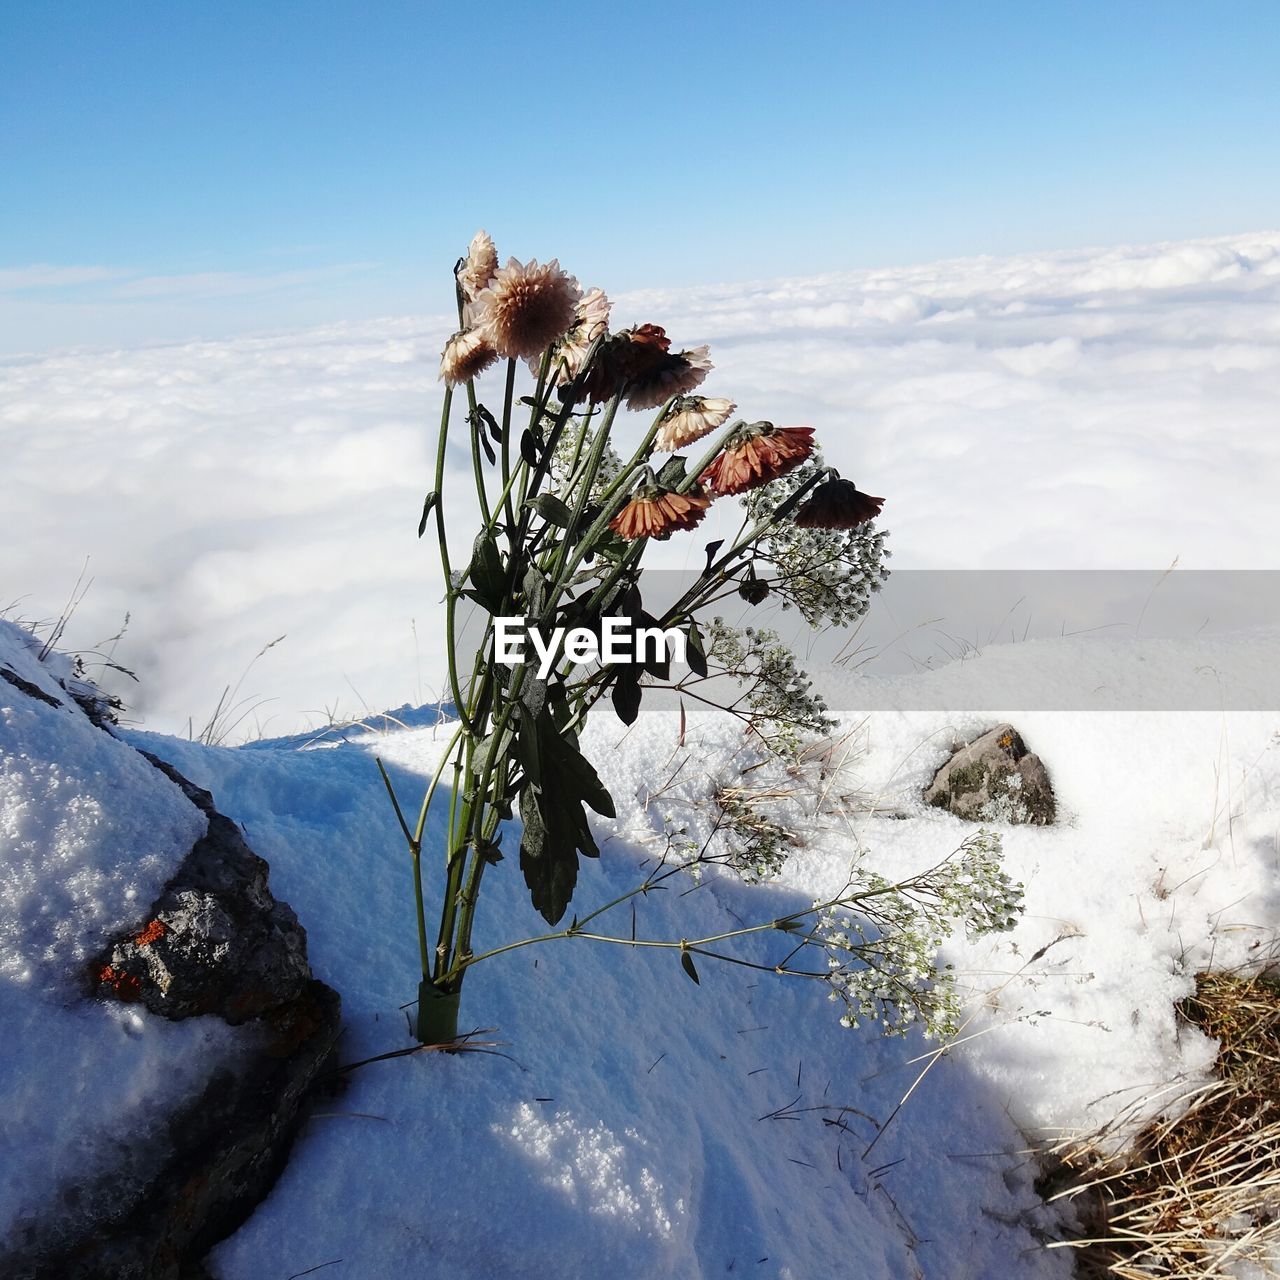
{"x":89,"y":833}
{"x":625,"y":1132}
{"x":78,"y":866}
{"x":1110,"y":408}
{"x":631,"y":1122}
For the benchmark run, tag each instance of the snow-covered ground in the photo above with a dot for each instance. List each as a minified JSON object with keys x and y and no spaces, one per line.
{"x":641,"y":1125}
{"x":1112,"y":408}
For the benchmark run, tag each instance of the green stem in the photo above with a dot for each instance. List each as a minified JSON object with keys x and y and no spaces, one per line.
{"x":571,"y":471}
{"x":415,"y":853}
{"x":535,"y":414}
{"x":607,"y":508}
{"x":416,"y":838}
{"x":584,"y":495}
{"x":507,"y":398}
{"x":450,"y":595}
{"x":477,"y":459}
{"x":459,"y":812}
{"x":667,"y":944}
{"x":713,"y":576}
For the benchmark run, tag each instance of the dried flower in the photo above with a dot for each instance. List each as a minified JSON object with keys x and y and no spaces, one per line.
{"x":624,"y":357}
{"x":466,"y":355}
{"x":526,"y":308}
{"x":838,"y":504}
{"x":480,"y":266}
{"x":689,"y":419}
{"x":658,"y":513}
{"x":755,"y":454}
{"x":591,"y":322}
{"x":674,"y":375}
{"x":593,"y":314}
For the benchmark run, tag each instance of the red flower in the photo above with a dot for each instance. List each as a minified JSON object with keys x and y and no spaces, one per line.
{"x":658,"y":513}
{"x":756,"y":454}
{"x":838,"y":504}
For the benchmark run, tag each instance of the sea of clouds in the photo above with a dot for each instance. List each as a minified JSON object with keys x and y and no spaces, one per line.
{"x":1090,"y":409}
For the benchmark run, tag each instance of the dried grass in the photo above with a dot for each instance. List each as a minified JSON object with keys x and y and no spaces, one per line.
{"x":1197,"y":1195}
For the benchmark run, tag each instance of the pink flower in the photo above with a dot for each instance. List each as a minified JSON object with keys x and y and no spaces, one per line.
{"x":466,"y":355}
{"x":526,"y":308}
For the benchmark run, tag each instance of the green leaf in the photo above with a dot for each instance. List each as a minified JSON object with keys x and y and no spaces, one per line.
{"x":581,"y":828}
{"x":535,"y":590}
{"x":533,"y":695}
{"x":574,"y":770}
{"x":481,"y":757}
{"x":686,"y":963}
{"x":626,"y":699}
{"x":533,"y":839}
{"x":551,"y":882}
{"x":528,"y":750}
{"x":484,"y":601}
{"x":658,"y":667}
{"x":487,"y":573}
{"x":483,"y":421}
{"x":560,"y":707}
{"x":548,"y":856}
{"x":695,"y":653}
{"x":556,"y":826}
{"x":551,"y":509}
{"x":672,"y":473}
{"x":428,"y":506}
{"x":529,"y":447}
{"x":610,"y":545}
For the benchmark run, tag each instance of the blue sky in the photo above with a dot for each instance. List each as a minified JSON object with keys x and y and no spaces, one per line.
{"x":177,"y":169}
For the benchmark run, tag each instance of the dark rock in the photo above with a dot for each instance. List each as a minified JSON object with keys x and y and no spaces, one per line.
{"x":228,"y":1148}
{"x":995,"y":779}
{"x":215,"y":943}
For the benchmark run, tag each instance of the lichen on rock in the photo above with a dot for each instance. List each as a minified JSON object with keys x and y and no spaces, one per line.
{"x":995,"y":778}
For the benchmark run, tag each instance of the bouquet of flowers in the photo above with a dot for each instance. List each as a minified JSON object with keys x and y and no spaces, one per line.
{"x":569,"y":498}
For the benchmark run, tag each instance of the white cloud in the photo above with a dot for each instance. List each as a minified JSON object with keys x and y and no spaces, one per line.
{"x":1111,"y":408}
{"x":228,"y":284}
{"x":44,"y":276}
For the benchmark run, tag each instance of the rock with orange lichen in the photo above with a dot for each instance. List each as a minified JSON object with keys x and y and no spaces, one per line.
{"x":214,"y":943}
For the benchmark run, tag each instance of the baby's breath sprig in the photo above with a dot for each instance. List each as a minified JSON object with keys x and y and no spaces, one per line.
{"x":882,"y":951}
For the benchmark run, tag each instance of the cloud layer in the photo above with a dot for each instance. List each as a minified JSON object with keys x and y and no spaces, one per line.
{"x":1095,"y":409}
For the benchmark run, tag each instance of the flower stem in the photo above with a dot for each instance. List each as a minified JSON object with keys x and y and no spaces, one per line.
{"x":505,"y":444}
